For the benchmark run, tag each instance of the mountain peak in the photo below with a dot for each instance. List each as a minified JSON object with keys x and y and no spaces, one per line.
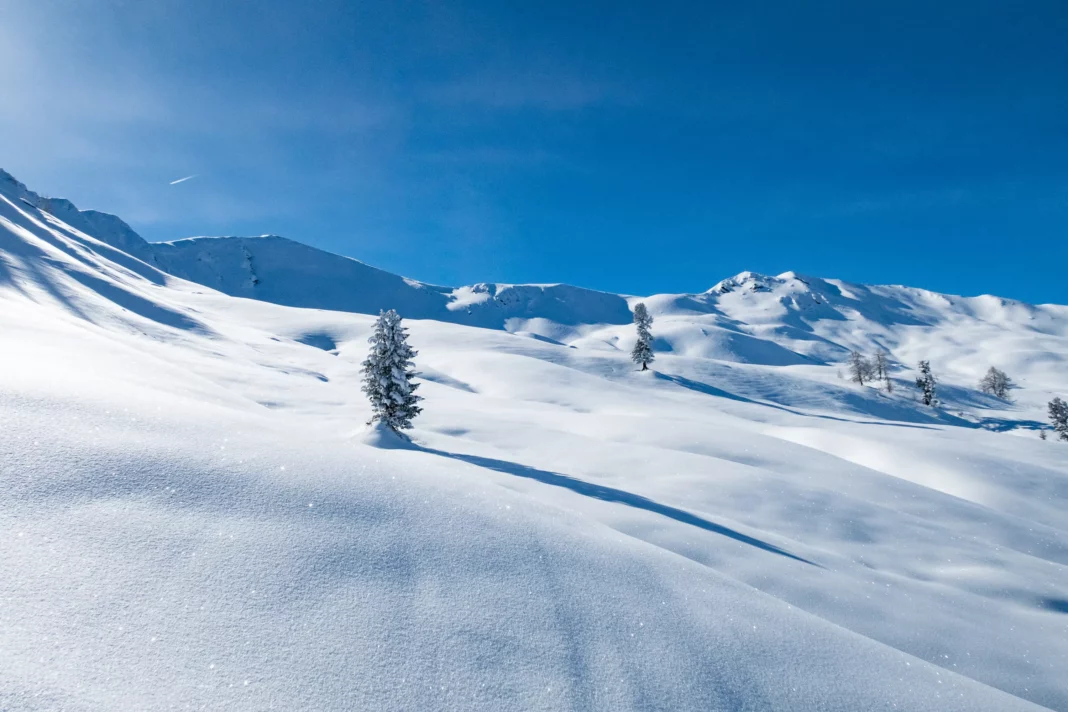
{"x":105,"y":227}
{"x":750,"y":281}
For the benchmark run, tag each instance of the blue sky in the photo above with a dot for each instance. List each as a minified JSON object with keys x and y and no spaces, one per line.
{"x":631,"y":147}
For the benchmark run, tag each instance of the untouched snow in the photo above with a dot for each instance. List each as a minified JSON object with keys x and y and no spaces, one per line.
{"x":196,"y":517}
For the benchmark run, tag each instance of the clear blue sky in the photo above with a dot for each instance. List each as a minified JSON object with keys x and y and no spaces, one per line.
{"x":632,"y":147}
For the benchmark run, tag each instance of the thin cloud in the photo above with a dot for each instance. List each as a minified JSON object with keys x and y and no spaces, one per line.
{"x":183,"y":180}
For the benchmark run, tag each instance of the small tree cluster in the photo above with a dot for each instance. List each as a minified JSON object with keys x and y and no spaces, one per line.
{"x":642,"y":353}
{"x":863,"y":369}
{"x":1058,"y":417}
{"x":882,"y":371}
{"x":860,"y":368}
{"x":996,"y":382}
{"x":388,"y":373}
{"x":926,"y":383}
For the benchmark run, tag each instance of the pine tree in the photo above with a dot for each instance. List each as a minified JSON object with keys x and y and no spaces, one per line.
{"x":388,"y":374}
{"x":996,"y":382}
{"x":643,"y":347}
{"x":859,"y":368}
{"x":1058,"y":417}
{"x":926,"y":383}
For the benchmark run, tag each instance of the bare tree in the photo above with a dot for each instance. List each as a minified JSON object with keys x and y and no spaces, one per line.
{"x":878,"y":366}
{"x":881,"y":370}
{"x":996,"y":382}
{"x":860,"y":368}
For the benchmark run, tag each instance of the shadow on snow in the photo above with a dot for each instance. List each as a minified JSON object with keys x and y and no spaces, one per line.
{"x":618,"y":496}
{"x":720,"y":393}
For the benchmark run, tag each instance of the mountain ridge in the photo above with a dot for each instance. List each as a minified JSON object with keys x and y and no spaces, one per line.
{"x":782,"y":320}
{"x":112,"y":230}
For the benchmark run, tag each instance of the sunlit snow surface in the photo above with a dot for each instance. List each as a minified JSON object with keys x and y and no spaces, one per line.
{"x":194,"y":516}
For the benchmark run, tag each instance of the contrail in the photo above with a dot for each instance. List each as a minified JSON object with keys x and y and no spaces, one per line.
{"x":183,"y":180}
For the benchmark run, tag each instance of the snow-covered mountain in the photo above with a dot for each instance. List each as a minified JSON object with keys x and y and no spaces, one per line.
{"x":193,"y":519}
{"x":749,"y":318}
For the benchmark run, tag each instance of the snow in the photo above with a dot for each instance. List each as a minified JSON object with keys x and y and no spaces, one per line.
{"x":195,"y":515}
{"x":380,"y":435}
{"x":281,"y":271}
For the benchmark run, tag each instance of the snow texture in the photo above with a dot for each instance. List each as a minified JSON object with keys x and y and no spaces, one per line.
{"x":193,"y":517}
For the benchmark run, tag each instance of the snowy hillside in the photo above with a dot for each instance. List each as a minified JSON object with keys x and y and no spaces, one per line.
{"x":193,"y":519}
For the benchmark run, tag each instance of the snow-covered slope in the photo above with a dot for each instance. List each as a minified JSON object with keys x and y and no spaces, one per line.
{"x":750,"y":318}
{"x":281,"y":271}
{"x":192,"y":518}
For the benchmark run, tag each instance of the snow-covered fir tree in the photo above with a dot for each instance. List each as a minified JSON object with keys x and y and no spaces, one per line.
{"x":388,"y":373}
{"x":643,"y":347}
{"x":926,"y":383}
{"x":996,"y":382}
{"x":1058,"y":417}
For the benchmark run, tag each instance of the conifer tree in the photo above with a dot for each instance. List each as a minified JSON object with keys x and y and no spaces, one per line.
{"x":643,"y":347}
{"x":388,"y":374}
{"x":926,"y":383}
{"x":1058,"y":417}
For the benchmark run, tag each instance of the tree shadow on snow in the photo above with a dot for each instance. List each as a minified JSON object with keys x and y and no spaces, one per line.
{"x":1057,"y":605}
{"x":960,"y":397}
{"x":894,"y":417}
{"x":617,"y":496}
{"x":720,"y":393}
{"x":1004,"y":425}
